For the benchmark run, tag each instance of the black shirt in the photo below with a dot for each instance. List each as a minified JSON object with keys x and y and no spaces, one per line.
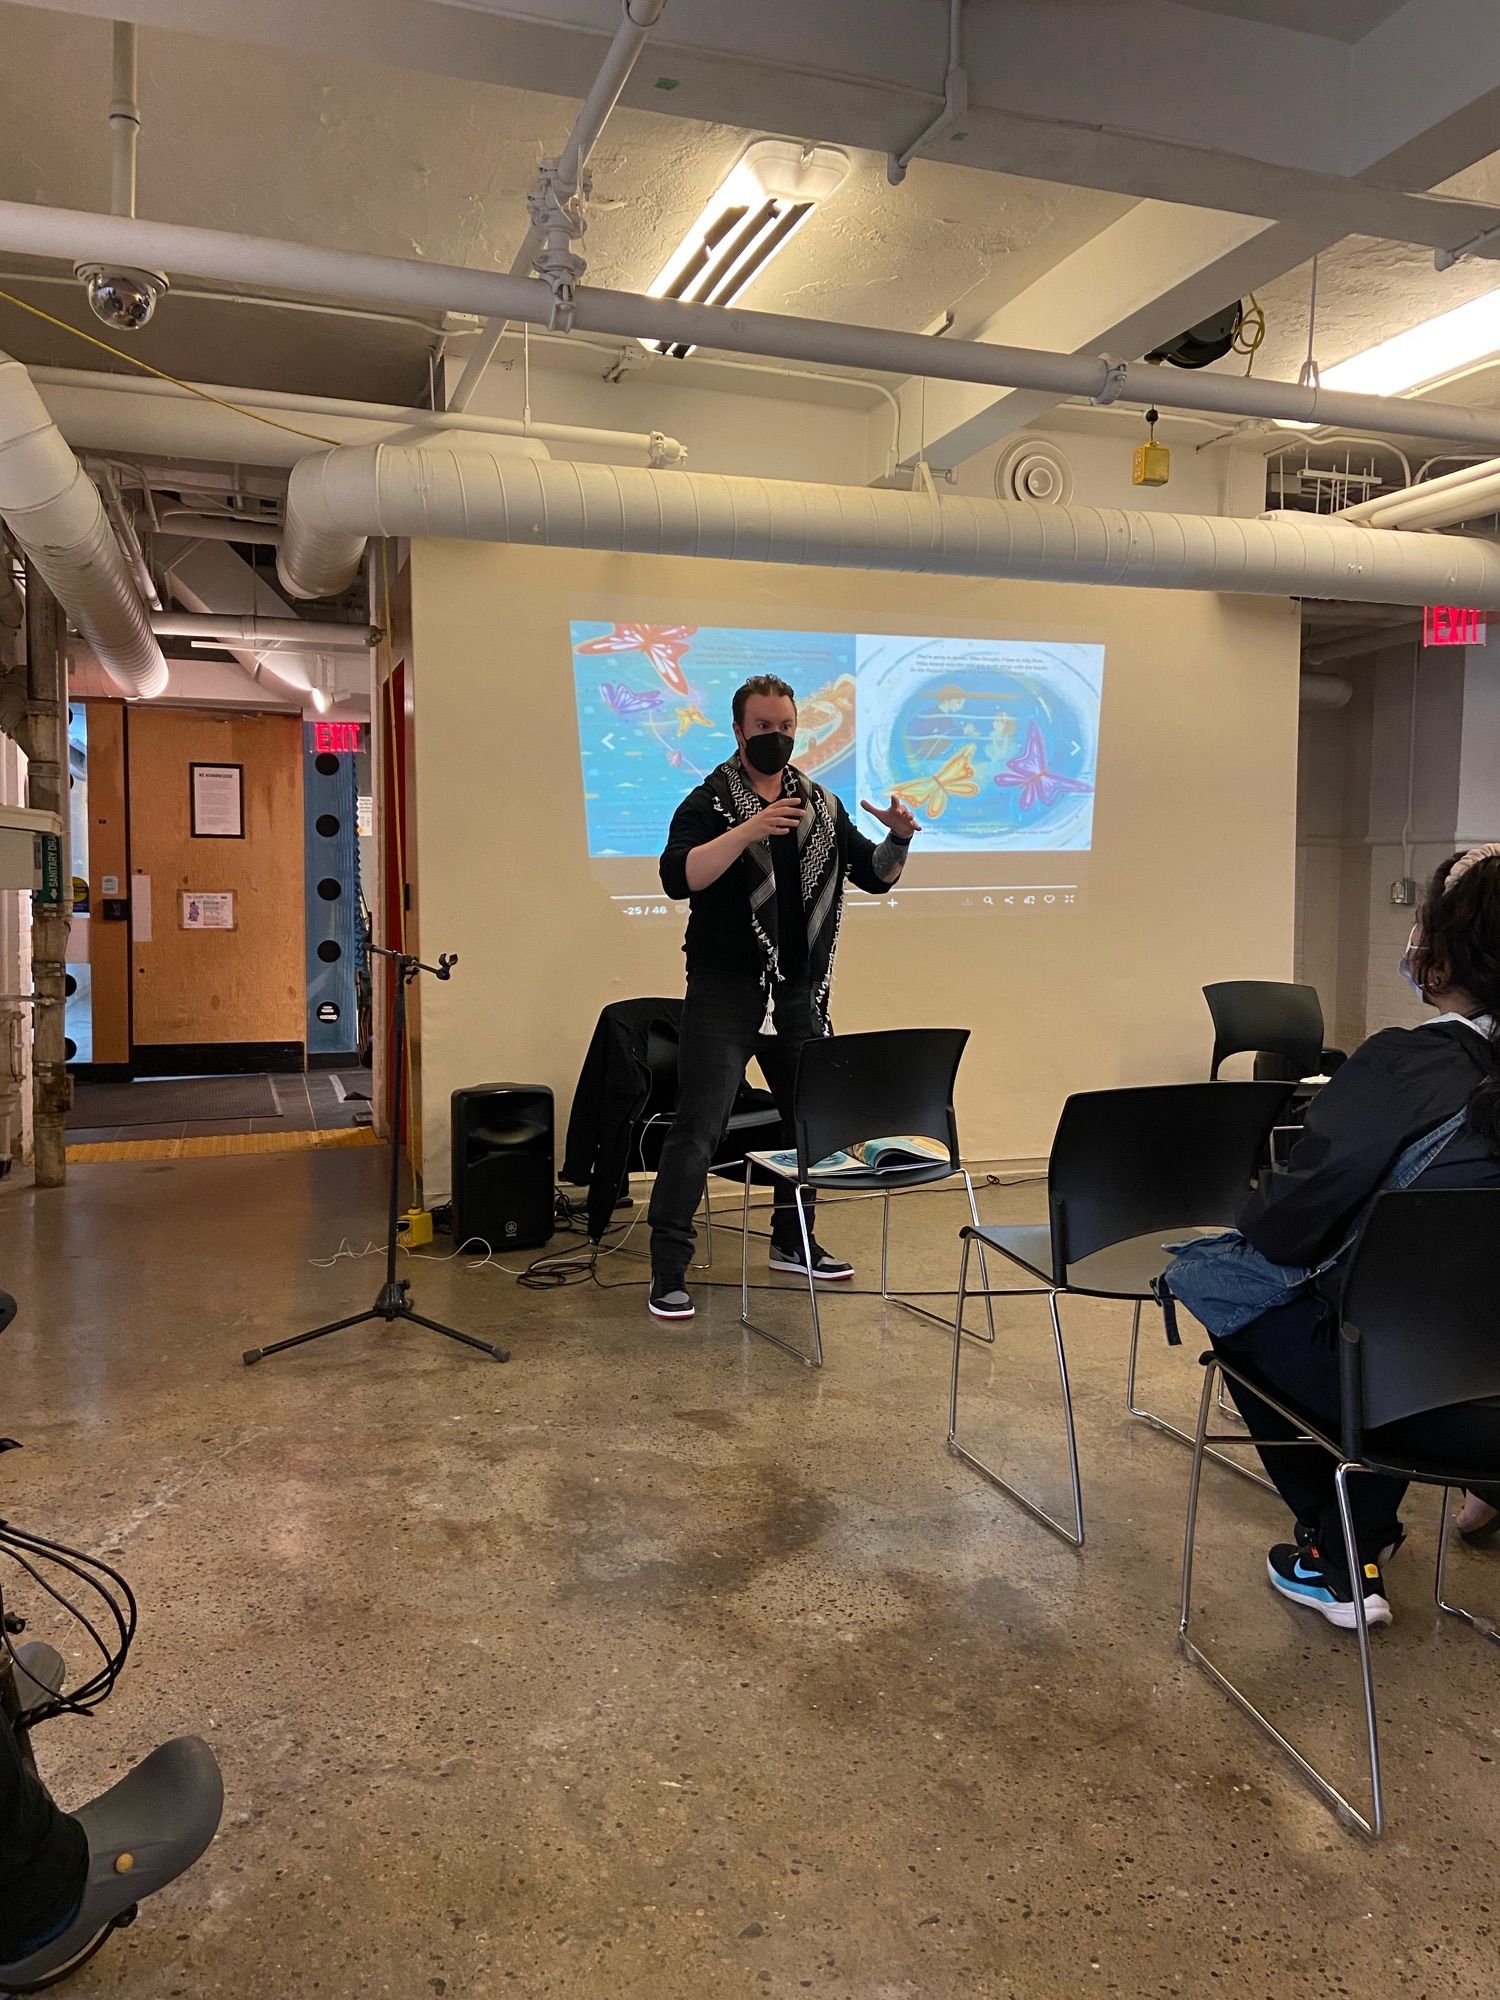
{"x":1401,"y":1084}
{"x":719,"y":937}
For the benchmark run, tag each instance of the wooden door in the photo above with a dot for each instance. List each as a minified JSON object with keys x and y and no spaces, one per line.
{"x":207,"y":998}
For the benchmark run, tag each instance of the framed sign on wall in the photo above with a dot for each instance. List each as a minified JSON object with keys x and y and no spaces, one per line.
{"x":218,"y":796}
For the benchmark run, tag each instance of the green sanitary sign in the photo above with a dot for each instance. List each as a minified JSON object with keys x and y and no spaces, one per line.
{"x":49,"y":869}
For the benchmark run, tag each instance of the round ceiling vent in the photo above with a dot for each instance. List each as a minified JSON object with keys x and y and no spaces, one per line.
{"x":1032,"y":469}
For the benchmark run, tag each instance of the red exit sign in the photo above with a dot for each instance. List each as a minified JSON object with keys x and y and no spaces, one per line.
{"x":1448,"y":625}
{"x":338,"y":737}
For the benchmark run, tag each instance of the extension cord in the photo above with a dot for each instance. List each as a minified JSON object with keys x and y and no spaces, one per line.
{"x":414,"y":1228}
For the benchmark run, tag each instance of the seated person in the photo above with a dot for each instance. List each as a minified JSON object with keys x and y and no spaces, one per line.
{"x":1402,"y":1084}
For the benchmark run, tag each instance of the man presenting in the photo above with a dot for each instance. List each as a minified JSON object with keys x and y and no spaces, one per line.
{"x":761,"y":852}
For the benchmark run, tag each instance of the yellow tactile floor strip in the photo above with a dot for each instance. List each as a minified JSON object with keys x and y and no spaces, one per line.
{"x":219,"y":1146}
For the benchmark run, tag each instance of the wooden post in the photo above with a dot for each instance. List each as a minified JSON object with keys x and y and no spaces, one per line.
{"x":46,"y":744}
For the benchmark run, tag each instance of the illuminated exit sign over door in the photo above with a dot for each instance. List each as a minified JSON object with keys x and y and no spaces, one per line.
{"x":1448,"y":625}
{"x":341,"y":737}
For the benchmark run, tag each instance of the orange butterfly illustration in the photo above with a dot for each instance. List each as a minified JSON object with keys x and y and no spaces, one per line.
{"x":931,"y":794}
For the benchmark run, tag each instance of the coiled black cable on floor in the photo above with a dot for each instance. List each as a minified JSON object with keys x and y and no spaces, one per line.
{"x":36,"y":1555}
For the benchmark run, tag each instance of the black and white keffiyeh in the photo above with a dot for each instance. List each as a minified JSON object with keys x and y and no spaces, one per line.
{"x":818,"y":852}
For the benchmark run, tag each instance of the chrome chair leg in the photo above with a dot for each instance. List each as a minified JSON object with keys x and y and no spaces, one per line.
{"x":1362,"y":1630}
{"x":1347,"y":1813}
{"x":1072,"y":1536}
{"x":815,"y":1359}
{"x":707,"y":1263}
{"x":984,"y":1271}
{"x":1484,"y":1626}
{"x":909,"y":1304}
{"x":1171,"y":1430}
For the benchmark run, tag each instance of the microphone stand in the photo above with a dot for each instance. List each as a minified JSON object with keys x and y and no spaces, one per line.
{"x":393,"y":1301}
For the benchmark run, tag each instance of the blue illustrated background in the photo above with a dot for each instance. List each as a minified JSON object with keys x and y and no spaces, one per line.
{"x":938,"y":720}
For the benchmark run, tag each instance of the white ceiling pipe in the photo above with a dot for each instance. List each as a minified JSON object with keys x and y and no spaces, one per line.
{"x":1324,"y":692}
{"x":1449,"y":482}
{"x":309,"y":634}
{"x":124,"y":120}
{"x":638,"y":18}
{"x":1416,"y":509}
{"x":1362,"y":645}
{"x":353,"y":276}
{"x":219,"y":528}
{"x":656,"y":447}
{"x":54,"y":511}
{"x":335,"y":502}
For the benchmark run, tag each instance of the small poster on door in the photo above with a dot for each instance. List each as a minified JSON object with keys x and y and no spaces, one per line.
{"x":218,"y":801}
{"x":208,"y":910}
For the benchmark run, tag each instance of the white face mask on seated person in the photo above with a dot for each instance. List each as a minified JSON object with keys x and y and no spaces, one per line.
{"x":1404,"y":968}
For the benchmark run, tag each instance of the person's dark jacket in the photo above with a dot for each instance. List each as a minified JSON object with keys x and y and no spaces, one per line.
{"x":1403,"y":1083}
{"x":719,"y":937}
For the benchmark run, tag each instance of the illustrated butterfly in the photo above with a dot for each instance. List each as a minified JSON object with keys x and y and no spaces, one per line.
{"x":931,"y":794}
{"x":1038,"y":785}
{"x":630,"y":701}
{"x":663,"y":645}
{"x":686,"y":717}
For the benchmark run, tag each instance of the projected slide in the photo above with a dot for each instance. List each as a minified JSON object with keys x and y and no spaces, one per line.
{"x":993,"y":743}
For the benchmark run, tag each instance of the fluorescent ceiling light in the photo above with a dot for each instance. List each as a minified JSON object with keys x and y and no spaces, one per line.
{"x":1423,"y":353}
{"x":755,"y":211}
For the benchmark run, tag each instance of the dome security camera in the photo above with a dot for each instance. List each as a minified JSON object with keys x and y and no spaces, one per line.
{"x":121,"y":295}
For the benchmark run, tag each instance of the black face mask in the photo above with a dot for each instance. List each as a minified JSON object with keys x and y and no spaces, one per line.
{"x":770,"y":752}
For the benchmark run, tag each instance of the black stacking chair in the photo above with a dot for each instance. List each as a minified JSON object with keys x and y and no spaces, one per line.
{"x":849,"y":1088}
{"x":1131,"y":1171}
{"x":1267,"y":1017}
{"x":1281,"y":1025}
{"x":1418,"y":1325}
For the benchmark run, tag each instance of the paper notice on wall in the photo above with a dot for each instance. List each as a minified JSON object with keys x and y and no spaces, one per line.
{"x":364,"y":815}
{"x":140,"y":909}
{"x":207,"y":910}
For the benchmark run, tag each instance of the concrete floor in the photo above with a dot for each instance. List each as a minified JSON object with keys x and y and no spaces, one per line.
{"x":652,"y":1664}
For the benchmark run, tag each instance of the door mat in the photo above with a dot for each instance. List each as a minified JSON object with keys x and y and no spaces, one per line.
{"x":172,"y":1101}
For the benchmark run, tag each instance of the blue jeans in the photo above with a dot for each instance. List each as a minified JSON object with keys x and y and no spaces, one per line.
{"x":720,"y":1032}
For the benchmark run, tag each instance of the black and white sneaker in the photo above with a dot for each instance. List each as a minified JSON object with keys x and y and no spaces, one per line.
{"x":670,"y":1298}
{"x":826,"y":1269}
{"x":1305,"y":1576}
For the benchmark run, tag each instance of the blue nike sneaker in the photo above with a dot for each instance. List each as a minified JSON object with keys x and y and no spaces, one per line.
{"x":1303,"y":1574}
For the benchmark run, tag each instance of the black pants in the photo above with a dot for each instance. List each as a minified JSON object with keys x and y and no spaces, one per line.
{"x":44,"y":1857}
{"x":721,"y":1022}
{"x":1296,"y":1349}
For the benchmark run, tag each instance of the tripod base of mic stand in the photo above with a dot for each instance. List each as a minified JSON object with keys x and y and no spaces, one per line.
{"x":393,"y":1303}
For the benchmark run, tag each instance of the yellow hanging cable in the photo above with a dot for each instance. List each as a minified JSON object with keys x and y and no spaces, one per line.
{"x":162,"y":375}
{"x":393,"y":770}
{"x":1250,"y":334}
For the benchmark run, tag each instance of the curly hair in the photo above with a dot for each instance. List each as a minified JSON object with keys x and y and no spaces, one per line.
{"x":1458,"y":944}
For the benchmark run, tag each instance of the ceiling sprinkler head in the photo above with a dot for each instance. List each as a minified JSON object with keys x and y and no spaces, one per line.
{"x":121,"y":295}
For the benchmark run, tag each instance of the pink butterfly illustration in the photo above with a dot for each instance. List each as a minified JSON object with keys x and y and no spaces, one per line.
{"x":1039,"y":786}
{"x":630,"y":701}
{"x":663,"y":645}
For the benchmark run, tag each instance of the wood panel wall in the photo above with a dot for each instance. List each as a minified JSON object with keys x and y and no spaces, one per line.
{"x":245,"y":985}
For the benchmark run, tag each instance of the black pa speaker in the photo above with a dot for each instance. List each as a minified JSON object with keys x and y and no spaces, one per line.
{"x":503,"y":1165}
